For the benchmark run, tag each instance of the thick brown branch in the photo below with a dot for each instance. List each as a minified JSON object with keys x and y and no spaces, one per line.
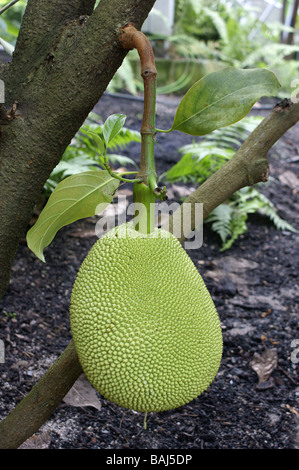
{"x":248,"y":166}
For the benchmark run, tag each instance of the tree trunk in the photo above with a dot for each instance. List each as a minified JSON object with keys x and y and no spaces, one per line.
{"x":65,"y":56}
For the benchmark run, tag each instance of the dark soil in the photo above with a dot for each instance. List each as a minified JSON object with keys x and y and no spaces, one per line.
{"x":258,"y":308}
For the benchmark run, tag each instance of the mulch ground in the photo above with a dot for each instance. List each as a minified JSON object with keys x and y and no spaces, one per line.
{"x":255,"y":289}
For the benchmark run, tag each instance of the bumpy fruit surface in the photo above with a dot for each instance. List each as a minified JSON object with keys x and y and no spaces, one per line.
{"x":144,"y":325}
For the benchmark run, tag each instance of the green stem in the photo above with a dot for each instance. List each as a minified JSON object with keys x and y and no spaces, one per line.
{"x":119,"y":175}
{"x":144,"y":208}
{"x":165,"y":132}
{"x":143,"y":194}
{"x":144,"y":421}
{"x":126,"y":180}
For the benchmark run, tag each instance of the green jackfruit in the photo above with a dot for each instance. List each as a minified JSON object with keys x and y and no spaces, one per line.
{"x":144,"y":325}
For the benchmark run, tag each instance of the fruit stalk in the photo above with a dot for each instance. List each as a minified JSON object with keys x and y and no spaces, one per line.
{"x":146,"y":191}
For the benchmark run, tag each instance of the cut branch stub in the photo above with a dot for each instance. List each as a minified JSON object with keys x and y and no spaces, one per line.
{"x":7,"y":116}
{"x":131,"y":38}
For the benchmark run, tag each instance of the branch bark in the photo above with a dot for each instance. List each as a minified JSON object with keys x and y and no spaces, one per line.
{"x":248,"y":166}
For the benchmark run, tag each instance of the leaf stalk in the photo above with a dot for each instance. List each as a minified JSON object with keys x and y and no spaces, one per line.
{"x":131,"y":38}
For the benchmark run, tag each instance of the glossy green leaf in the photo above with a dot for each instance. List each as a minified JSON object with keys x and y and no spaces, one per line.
{"x":98,"y":140}
{"x":222,"y":98}
{"x":112,"y":126}
{"x":74,"y":198}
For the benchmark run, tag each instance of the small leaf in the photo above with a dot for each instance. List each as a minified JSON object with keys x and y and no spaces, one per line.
{"x":112,"y":126}
{"x":42,"y":440}
{"x":74,"y":198}
{"x":264,"y":364}
{"x":82,"y":394}
{"x":98,"y":140}
{"x":222,"y":98}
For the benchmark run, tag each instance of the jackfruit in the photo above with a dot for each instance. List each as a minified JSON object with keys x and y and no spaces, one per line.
{"x":145,"y":327}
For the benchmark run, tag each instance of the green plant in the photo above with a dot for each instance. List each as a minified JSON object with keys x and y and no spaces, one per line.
{"x":10,"y":23}
{"x":9,"y":315}
{"x":82,"y":154}
{"x":229,"y":219}
{"x":230,"y":34}
{"x":202,"y":20}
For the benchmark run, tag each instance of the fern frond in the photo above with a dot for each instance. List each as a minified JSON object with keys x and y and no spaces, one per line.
{"x":218,"y":23}
{"x":124,"y":138}
{"x":237,"y":227}
{"x":220,"y":219}
{"x":279,"y":222}
{"x":121,"y":140}
{"x":204,"y":157}
{"x":251,"y":200}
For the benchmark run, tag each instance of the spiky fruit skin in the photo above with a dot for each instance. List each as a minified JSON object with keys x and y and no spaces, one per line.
{"x":144,"y":325}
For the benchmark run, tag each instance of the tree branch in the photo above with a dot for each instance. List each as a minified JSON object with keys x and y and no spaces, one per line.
{"x":7,"y":6}
{"x":247,"y":167}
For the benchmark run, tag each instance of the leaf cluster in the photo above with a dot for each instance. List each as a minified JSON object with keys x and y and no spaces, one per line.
{"x":83,"y":152}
